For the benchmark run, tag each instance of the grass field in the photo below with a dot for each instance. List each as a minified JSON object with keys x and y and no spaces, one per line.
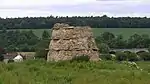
{"x":126,"y":32}
{"x":104,"y":72}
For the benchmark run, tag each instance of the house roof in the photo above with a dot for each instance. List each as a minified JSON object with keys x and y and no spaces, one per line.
{"x":10,"y":55}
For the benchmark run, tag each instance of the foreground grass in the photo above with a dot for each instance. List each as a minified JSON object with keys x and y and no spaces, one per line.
{"x":126,"y":32}
{"x":40,"y":72}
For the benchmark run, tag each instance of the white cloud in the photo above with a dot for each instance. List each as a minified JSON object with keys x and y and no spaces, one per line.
{"x":22,"y":8}
{"x":40,"y":2}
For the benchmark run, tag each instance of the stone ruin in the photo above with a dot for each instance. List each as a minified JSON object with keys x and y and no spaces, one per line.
{"x":69,"y":41}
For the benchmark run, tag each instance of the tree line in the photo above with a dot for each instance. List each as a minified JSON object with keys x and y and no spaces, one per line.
{"x":118,"y":41}
{"x":108,"y":40}
{"x":20,"y":41}
{"x":15,"y":40}
{"x":27,"y":41}
{"x":93,"y":21}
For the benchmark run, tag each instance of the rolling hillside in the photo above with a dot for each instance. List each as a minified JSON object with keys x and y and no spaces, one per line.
{"x":126,"y":32}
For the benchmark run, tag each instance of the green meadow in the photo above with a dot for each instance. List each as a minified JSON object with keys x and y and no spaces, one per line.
{"x":103,"y":72}
{"x":126,"y":32}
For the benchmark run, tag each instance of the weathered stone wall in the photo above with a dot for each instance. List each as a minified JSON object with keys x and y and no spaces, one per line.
{"x":68,"y":41}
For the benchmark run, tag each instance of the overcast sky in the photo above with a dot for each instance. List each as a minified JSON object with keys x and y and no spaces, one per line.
{"x":31,"y":8}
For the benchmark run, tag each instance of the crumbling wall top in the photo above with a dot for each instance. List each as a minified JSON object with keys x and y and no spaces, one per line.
{"x":59,"y":25}
{"x":67,"y":26}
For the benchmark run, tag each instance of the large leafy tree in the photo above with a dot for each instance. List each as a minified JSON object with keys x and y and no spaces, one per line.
{"x":107,"y":38}
{"x":41,"y":49}
{"x":119,"y":42}
{"x":103,"y":48}
{"x":45,"y":35}
{"x":135,"y":41}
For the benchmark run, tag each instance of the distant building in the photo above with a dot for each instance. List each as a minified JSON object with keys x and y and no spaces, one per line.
{"x":10,"y":56}
{"x":27,"y":55}
{"x":18,"y":58}
{"x":13,"y":57}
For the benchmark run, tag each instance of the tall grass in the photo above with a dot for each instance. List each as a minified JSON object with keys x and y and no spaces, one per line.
{"x":104,"y":72}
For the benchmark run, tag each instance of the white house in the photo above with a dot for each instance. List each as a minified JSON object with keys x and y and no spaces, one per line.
{"x":18,"y":58}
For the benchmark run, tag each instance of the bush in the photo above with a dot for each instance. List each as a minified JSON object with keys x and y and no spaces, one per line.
{"x":10,"y":61}
{"x":149,"y":48}
{"x":106,"y":56}
{"x":83,"y":58}
{"x":139,"y":52}
{"x":121,"y":56}
{"x":145,"y":56}
{"x":127,"y":52}
{"x":41,"y":53}
{"x":40,"y":49}
{"x":112,"y":52}
{"x":103,"y":48}
{"x":132,"y":57}
{"x":1,"y":57}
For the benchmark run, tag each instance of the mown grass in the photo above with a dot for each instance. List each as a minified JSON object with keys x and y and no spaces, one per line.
{"x":126,"y":32}
{"x":104,"y":72}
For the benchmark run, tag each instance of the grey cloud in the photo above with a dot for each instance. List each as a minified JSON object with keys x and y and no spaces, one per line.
{"x":112,"y":8}
{"x":90,"y":7}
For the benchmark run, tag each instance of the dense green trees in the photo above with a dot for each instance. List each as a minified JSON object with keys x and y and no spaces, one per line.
{"x":24,"y":41}
{"x":117,"y":41}
{"x":27,"y":41}
{"x":18,"y":41}
{"x":95,"y":22}
{"x":121,"y":56}
{"x":41,"y":47}
{"x":45,"y":35}
{"x":108,"y":40}
{"x":103,"y":48}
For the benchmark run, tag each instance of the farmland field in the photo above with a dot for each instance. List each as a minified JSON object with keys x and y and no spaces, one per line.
{"x":126,"y":32}
{"x":104,"y":72}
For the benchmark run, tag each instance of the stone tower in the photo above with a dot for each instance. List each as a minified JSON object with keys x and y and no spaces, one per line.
{"x":69,"y":41}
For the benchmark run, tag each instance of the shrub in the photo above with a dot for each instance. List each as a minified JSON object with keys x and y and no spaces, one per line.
{"x":149,"y":48}
{"x":145,"y":56}
{"x":127,"y":52}
{"x":1,"y":57}
{"x":132,"y":57}
{"x":113,"y":56}
{"x":139,"y":52}
{"x":103,"y":48}
{"x":41,"y":53}
{"x":121,"y":56}
{"x":83,"y":58}
{"x":112,"y":52}
{"x":106,"y":56}
{"x":40,"y":49}
{"x":10,"y":61}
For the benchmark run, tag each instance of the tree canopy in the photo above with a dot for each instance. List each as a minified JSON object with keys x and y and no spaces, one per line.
{"x":93,"y":21}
